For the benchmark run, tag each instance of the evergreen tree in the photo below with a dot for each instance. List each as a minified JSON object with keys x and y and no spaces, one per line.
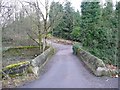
{"x":65,"y":26}
{"x":75,"y":34}
{"x":108,"y":38}
{"x":68,"y":20}
{"x":89,"y":22}
{"x":117,"y":14}
{"x":56,"y":9}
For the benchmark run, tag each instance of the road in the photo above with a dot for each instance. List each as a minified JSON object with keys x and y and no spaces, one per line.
{"x":67,"y":71}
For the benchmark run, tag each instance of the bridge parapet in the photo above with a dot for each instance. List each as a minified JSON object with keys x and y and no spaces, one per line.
{"x":96,"y":65}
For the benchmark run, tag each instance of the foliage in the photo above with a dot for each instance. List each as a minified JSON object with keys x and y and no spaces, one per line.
{"x":76,"y":18}
{"x":65,"y":25}
{"x":117,"y":14}
{"x":98,"y":31}
{"x":96,"y":28}
{"x":75,"y":33}
{"x":107,"y":43}
{"x":75,"y":47}
{"x":89,"y":22}
{"x":56,"y":11}
{"x":56,"y":8}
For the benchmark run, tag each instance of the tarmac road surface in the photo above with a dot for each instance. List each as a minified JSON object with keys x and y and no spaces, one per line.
{"x":67,"y":71}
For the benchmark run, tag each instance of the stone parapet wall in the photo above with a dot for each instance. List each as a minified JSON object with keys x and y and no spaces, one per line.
{"x":39,"y":61}
{"x":96,"y":65}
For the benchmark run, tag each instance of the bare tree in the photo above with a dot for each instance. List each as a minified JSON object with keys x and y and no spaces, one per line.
{"x":6,"y":13}
{"x":6,"y":16}
{"x":42,"y":20}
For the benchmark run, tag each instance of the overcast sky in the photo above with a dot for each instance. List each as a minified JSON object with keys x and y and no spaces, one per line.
{"x":75,"y":3}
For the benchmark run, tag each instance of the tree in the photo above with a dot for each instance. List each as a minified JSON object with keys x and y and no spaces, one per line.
{"x":65,"y":26}
{"x":6,"y":17}
{"x":68,"y":20}
{"x":76,"y":18}
{"x":41,"y":21}
{"x":117,"y":14}
{"x":75,"y":34}
{"x":55,"y":16}
{"x":89,"y":22}
{"x":109,"y":37}
{"x":6,"y":13}
{"x":99,"y":30}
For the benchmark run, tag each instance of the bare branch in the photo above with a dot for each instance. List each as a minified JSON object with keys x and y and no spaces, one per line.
{"x":41,"y":3}
{"x":26,"y":10}
{"x":39,"y":10}
{"x":33,"y":38}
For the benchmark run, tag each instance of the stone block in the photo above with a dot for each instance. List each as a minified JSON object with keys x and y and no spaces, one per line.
{"x":100,"y":71}
{"x":40,"y":60}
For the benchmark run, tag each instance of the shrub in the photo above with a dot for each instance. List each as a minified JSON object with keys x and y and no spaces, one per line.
{"x":75,"y":47}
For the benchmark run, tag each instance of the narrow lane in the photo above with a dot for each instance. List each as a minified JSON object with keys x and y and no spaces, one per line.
{"x":67,"y":71}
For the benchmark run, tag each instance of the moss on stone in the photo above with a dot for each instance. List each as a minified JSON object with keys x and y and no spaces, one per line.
{"x":9,"y":70}
{"x":16,"y":65}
